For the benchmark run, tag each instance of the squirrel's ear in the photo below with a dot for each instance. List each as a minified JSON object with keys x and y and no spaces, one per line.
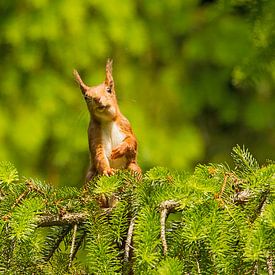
{"x":109,"y":77}
{"x":78,"y":79}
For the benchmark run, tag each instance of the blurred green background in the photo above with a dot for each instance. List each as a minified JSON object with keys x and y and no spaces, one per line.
{"x":193,"y":77}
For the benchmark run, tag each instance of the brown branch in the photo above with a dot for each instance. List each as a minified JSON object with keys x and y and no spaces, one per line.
{"x":269,"y":263}
{"x":129,"y":240}
{"x":20,"y":198}
{"x":66,"y":219}
{"x":197,"y":262}
{"x":261,"y":207}
{"x":242,"y":196}
{"x":163,"y":215}
{"x":223,"y":186}
{"x":263,"y":203}
{"x":165,"y":208}
{"x":255,"y":267}
{"x":29,"y":185}
{"x":78,"y":244}
{"x":72,"y":245}
{"x":218,"y":196}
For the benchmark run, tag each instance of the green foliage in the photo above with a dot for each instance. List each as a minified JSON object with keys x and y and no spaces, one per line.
{"x":222,"y":222}
{"x":103,"y":255}
{"x":193,"y":77}
{"x":8,"y":173}
{"x":244,"y":161}
{"x":170,"y":266}
{"x":119,"y":222}
{"x":106,"y":185}
{"x":146,"y":238}
{"x":23,"y":218}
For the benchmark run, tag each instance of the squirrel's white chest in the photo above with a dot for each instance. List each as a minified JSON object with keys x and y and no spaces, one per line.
{"x":112,"y":136}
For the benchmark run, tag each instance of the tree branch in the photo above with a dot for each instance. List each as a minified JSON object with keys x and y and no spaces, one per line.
{"x":219,"y":195}
{"x":78,"y":244}
{"x":63,"y":233}
{"x":261,"y":207}
{"x":129,"y":240}
{"x":269,"y":263}
{"x":66,"y":219}
{"x":165,"y":208}
{"x":72,"y":245}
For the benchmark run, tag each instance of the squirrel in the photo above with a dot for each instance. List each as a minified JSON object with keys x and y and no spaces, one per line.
{"x":112,"y":143}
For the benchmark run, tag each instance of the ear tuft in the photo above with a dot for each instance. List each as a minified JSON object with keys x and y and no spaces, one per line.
{"x":109,"y":66}
{"x":109,"y":70}
{"x":78,"y":79}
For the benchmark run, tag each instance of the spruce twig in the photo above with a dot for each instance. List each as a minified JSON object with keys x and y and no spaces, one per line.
{"x":261,"y":207}
{"x":163,"y":215}
{"x":129,"y":239}
{"x":22,"y":196}
{"x":242,"y":196}
{"x":78,"y":244}
{"x":197,"y":263}
{"x":219,"y":195}
{"x":269,"y":263}
{"x":66,"y":219}
{"x":255,"y":268}
{"x":244,"y":160}
{"x":165,"y":208}
{"x":72,"y":245}
{"x":60,"y":238}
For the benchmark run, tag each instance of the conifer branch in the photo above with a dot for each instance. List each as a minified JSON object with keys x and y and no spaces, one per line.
{"x":223,"y":185}
{"x":269,"y":263}
{"x":197,"y":262}
{"x":261,"y":207}
{"x":255,"y":268}
{"x":66,"y":219}
{"x":22,"y":196}
{"x":219,"y":195}
{"x":129,"y":239}
{"x":165,"y":208}
{"x":202,"y":227}
{"x":244,"y":159}
{"x":78,"y":244}
{"x":57,"y":242}
{"x":72,"y":245}
{"x":242,"y":196}
{"x":163,"y":215}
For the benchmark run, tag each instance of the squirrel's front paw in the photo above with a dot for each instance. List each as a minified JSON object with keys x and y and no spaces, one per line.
{"x":119,"y":151}
{"x":108,"y":172}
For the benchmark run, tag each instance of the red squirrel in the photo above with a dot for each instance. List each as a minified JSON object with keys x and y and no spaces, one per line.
{"x":112,"y":142}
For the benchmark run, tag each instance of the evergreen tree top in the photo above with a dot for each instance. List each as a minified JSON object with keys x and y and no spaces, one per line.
{"x":215,"y":221}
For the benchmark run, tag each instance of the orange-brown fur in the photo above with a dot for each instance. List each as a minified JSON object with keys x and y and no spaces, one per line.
{"x":108,"y":127}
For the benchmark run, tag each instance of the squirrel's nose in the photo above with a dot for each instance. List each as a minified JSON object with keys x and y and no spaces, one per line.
{"x":97,"y":100}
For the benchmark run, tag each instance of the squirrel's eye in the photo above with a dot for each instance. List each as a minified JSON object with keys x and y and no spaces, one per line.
{"x":109,"y":90}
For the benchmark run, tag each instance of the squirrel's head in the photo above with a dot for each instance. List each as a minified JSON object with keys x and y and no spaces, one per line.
{"x":100,"y":99}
